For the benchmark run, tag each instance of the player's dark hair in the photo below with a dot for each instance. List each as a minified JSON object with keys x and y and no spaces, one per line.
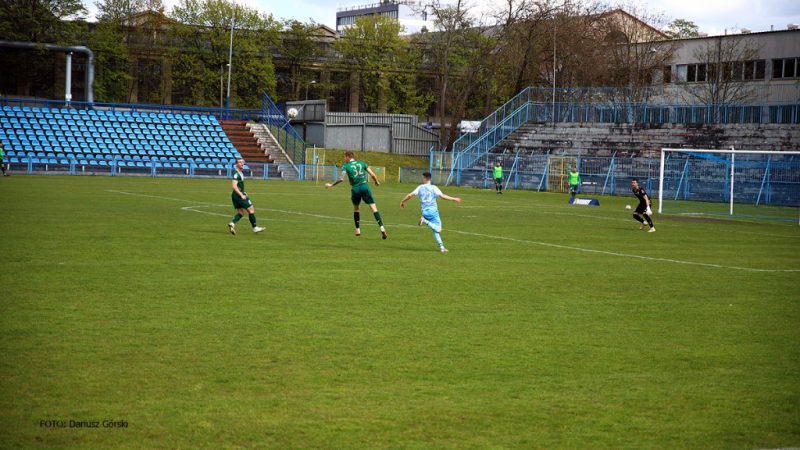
{"x":635,"y":179}
{"x":349,"y":154}
{"x":427,"y":175}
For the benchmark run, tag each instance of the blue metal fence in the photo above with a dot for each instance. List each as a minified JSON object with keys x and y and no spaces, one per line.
{"x":284,"y":133}
{"x":161,"y":167}
{"x":219,"y":113}
{"x":767,"y":182}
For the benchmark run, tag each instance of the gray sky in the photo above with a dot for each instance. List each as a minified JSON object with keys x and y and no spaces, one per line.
{"x":712,"y":16}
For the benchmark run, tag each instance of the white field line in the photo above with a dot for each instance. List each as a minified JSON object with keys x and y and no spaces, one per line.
{"x":489,"y":236}
{"x":669,"y":224}
{"x":624,"y":255}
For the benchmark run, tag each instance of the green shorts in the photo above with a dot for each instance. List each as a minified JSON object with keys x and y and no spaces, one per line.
{"x":361,"y":192}
{"x":573,"y":187}
{"x":239,"y":203}
{"x":498,"y":180}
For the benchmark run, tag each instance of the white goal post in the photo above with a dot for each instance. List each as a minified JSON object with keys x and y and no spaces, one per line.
{"x":764,"y":184}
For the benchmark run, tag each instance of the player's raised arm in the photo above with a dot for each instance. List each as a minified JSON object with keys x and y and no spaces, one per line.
{"x":447,"y":197}
{"x":403,"y":201}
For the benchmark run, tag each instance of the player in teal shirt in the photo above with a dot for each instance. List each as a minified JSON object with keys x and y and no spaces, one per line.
{"x":2,"y":161}
{"x":574,"y":181}
{"x":356,"y":172}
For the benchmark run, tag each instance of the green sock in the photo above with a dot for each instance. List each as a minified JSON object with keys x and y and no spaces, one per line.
{"x":236,"y":218}
{"x":252,"y":218}
{"x":378,"y":218}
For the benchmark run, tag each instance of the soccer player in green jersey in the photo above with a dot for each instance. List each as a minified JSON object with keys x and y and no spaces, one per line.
{"x":498,"y":177}
{"x":574,"y":181}
{"x":241,"y":202}
{"x":2,"y":163}
{"x":356,"y":172}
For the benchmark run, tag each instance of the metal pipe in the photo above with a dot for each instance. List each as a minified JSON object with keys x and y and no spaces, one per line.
{"x":68,"y":79}
{"x":230,"y":61}
{"x":89,"y":73}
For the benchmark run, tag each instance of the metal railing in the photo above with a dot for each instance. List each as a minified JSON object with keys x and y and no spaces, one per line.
{"x":284,"y":133}
{"x":219,"y":113}
{"x":761,"y":103}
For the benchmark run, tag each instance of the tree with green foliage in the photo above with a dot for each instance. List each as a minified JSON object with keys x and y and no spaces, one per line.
{"x":111,"y":41}
{"x":201,"y":39}
{"x":386,"y":65}
{"x":41,"y":21}
{"x":112,"y":58}
{"x":682,"y":29}
{"x":298,"y":50}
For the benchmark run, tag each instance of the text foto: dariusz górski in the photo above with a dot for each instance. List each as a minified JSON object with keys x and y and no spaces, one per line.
{"x":83,"y":424}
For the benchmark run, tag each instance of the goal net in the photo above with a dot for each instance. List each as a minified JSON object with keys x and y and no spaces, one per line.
{"x":731,"y":182}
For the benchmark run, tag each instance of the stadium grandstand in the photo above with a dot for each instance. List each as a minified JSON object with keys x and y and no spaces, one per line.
{"x":118,"y":142}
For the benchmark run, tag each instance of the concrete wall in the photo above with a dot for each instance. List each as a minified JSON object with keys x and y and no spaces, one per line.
{"x":776,"y":44}
{"x":646,"y":140}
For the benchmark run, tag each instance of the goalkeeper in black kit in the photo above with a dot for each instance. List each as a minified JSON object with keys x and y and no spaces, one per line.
{"x":643,"y":208}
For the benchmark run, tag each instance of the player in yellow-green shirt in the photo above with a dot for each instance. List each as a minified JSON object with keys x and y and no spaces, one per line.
{"x":356,"y":172}
{"x":497,"y":172}
{"x":574,"y":181}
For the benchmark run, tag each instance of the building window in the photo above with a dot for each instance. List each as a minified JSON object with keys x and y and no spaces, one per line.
{"x":785,"y":68}
{"x":761,"y":69}
{"x":691,"y":73}
{"x":680,"y":73}
{"x":743,"y":70}
{"x":344,"y":21}
{"x":696,"y":73}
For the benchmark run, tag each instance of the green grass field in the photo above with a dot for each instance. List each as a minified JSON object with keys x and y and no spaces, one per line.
{"x":546,"y":326}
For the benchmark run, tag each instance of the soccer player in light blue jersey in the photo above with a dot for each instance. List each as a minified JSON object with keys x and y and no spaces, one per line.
{"x":427,"y":194}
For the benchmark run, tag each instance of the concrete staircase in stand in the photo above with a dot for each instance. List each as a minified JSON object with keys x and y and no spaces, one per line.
{"x":247,"y":144}
{"x":283,"y":166}
{"x":646,"y":140}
